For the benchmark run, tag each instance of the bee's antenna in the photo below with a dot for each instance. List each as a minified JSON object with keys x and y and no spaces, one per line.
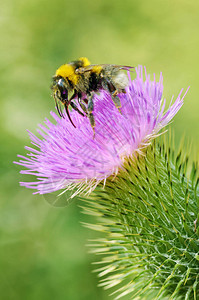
{"x":67,"y":112}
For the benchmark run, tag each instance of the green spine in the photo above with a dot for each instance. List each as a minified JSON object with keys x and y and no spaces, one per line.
{"x":148,"y":216}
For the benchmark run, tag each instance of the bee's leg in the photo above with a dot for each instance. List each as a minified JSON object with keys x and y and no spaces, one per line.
{"x":73,"y":105}
{"x":68,"y":114}
{"x":90,"y":112}
{"x":85,"y":101}
{"x":113,"y":91}
{"x":83,"y":107}
{"x":116,"y":100}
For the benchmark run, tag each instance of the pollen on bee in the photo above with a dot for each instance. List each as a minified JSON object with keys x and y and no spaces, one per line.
{"x":67,"y":71}
{"x":85,"y":61}
{"x":97,"y":69}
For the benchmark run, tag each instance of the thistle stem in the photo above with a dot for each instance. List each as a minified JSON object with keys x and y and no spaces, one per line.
{"x":148,"y":214}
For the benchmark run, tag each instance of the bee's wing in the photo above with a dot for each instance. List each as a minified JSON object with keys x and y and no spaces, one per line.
{"x":83,"y":70}
{"x":128,"y":68}
{"x":91,"y":67}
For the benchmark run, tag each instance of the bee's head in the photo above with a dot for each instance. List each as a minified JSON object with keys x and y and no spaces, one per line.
{"x":60,"y":89}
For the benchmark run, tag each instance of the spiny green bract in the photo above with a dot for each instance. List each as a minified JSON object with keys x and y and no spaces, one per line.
{"x":149,"y":218}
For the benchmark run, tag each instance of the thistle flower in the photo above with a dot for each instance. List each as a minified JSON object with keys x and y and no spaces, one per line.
{"x":69,"y":157}
{"x":148,"y":208}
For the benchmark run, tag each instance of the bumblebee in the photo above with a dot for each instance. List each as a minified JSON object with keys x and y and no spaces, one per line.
{"x":77,"y":82}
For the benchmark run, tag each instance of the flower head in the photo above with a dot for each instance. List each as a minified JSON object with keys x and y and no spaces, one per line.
{"x":67,"y":157}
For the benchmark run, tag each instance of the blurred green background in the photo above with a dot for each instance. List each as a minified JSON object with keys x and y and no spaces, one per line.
{"x":43,"y":253}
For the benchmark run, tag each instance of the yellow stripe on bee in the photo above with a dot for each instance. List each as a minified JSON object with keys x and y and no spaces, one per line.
{"x":97,"y":69}
{"x":85,"y":61}
{"x":67,"y":71}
